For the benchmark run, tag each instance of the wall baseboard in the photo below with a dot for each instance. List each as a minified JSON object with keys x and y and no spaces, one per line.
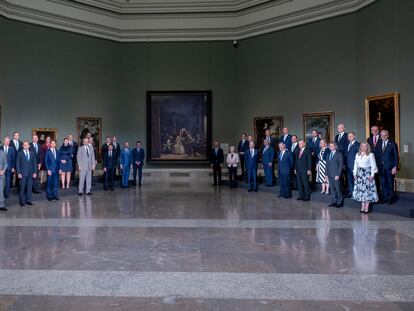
{"x":404,"y":185}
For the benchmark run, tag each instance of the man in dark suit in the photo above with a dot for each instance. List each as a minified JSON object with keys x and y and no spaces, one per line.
{"x":216,"y":162}
{"x":341,"y":140}
{"x":106,"y":145}
{"x":35,"y":148}
{"x":138,"y":156}
{"x":109,"y":165}
{"x":303,"y":166}
{"x":252,"y":159}
{"x":117,"y":150}
{"x":313,"y":146}
{"x":286,"y":138}
{"x":388,"y":167}
{"x":241,"y":149}
{"x":334,"y":167}
{"x":52,"y":164}
{"x":74,"y":145}
{"x":26,"y":170}
{"x":284,"y":168}
{"x":17,"y":145}
{"x":375,"y":143}
{"x":273,"y":142}
{"x":268,"y":158}
{"x":294,"y":149}
{"x":351,"y":151}
{"x":10,"y":153}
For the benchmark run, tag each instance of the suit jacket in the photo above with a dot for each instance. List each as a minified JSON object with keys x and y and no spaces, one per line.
{"x":251,"y":162}
{"x":343,"y":143}
{"x":11,"y":158}
{"x":350,"y":153}
{"x":268,"y":156}
{"x":126,"y":158}
{"x":138,"y":156}
{"x":32,"y":149}
{"x":273,"y":142}
{"x":335,"y":165}
{"x":377,"y":149}
{"x":287,"y":141}
{"x":109,"y":162}
{"x":304,"y":163}
{"x":285,"y":163}
{"x":86,"y":162}
{"x":75,"y":148}
{"x":52,"y":163}
{"x":3,"y":161}
{"x":388,"y":158}
{"x":117,"y":149}
{"x":26,"y":167}
{"x":242,"y":147}
{"x":216,"y":159}
{"x":104,"y":149}
{"x":18,"y":148}
{"x":314,"y":146}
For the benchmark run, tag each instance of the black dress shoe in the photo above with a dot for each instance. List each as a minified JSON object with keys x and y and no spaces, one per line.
{"x":250,"y":190}
{"x":36,"y":192}
{"x":6,"y":196}
{"x":3,"y":209}
{"x":280,"y":195}
{"x":105,"y":189}
{"x":112,"y":189}
{"x":139,"y":185}
{"x":29,"y":203}
{"x":57,"y":199}
{"x":257,"y":189}
{"x":339,"y":205}
{"x":287,"y":196}
{"x":306,"y":199}
{"x":332,"y":205}
{"x":89,"y":193}
{"x":80,"y":193}
{"x":300,"y":199}
{"x":21,"y":204}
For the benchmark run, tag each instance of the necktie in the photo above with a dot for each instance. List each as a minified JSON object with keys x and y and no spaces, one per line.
{"x":314,"y":140}
{"x":6,"y":149}
{"x":384,"y":145}
{"x":54,"y":153}
{"x":35,"y":147}
{"x":340,"y":136}
{"x":87,"y":151}
{"x":252,"y":152}
{"x":349,"y":146}
{"x":331,"y":156}
{"x":110,"y":154}
{"x":300,"y":153}
{"x":375,"y":140}
{"x":27,"y":155}
{"x":281,"y":155}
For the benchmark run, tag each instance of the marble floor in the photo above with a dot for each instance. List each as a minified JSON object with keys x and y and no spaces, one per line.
{"x":190,"y":246}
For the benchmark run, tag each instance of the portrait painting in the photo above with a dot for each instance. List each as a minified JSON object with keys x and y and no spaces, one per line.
{"x":261,"y":124}
{"x":42,"y":133}
{"x":178,"y":126}
{"x":321,"y":121}
{"x":383,"y":111}
{"x":90,"y":127}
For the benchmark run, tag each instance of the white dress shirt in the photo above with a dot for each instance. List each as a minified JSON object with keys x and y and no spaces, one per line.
{"x":365,"y":161}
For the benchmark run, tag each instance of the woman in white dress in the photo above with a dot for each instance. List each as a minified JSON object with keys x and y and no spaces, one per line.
{"x":321,"y":166}
{"x":365,"y":168}
{"x":232,"y":164}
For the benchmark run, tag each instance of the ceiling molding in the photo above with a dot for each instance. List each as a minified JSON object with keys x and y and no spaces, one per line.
{"x":177,"y":25}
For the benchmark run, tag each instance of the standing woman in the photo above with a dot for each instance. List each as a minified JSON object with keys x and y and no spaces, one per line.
{"x":65,"y":156}
{"x":45,"y":147}
{"x":232,"y":163}
{"x":321,"y":166}
{"x":365,"y":168}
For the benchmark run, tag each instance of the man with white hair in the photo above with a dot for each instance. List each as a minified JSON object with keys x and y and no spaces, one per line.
{"x":388,"y":163}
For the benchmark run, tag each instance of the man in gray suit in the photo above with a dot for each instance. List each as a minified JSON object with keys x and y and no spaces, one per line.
{"x":86,"y":163}
{"x":3,"y":168}
{"x":334,"y":169}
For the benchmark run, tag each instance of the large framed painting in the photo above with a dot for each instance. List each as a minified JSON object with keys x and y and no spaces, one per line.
{"x":321,"y":121}
{"x":92,"y":126}
{"x":43,"y":132}
{"x":178,"y":126}
{"x":261,"y":124}
{"x":383,"y":111}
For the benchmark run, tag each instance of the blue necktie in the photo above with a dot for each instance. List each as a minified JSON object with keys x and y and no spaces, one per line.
{"x":332,"y":155}
{"x":27,"y":156}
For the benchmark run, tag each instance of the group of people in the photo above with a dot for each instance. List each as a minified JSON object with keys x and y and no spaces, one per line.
{"x":24,"y":165}
{"x":344,"y":167}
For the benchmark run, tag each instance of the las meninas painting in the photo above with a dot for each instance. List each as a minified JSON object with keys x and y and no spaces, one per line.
{"x":179,"y":126}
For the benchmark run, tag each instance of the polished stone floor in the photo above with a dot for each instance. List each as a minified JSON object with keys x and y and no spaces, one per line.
{"x":189,"y":246}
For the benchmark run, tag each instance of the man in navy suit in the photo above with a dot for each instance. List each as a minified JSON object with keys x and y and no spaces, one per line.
{"x":268,"y":157}
{"x":109,"y":164}
{"x":36,"y":149}
{"x":334,"y":168}
{"x":18,"y":146}
{"x":375,"y":143}
{"x":341,"y":140}
{"x":52,"y":164}
{"x":286,"y":138}
{"x":303,"y":166}
{"x":272,"y":141}
{"x":216,"y":162}
{"x":284,"y":169}
{"x":74,"y":146}
{"x":252,"y":158}
{"x":11,"y":165}
{"x":351,"y":151}
{"x":125,"y":165}
{"x":138,"y":156}
{"x":294,"y":149}
{"x":26,"y":170}
{"x":241,"y":149}
{"x":388,"y":167}
{"x":313,"y":146}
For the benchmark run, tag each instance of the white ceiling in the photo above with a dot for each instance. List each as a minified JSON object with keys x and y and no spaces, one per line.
{"x":175,"y":20}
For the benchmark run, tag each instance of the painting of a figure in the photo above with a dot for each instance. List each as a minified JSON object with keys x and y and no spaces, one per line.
{"x":261,"y":124}
{"x":321,"y":121}
{"x":179,"y":126}
{"x":90,"y":127}
{"x":383,"y":111}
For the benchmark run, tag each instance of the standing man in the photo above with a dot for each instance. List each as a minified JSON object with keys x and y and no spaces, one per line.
{"x":341,"y":140}
{"x":17,"y":145}
{"x":284,"y":169}
{"x":106,"y":145}
{"x":294,"y":149}
{"x":375,"y":143}
{"x":74,"y":145}
{"x":10,"y":153}
{"x":117,"y":151}
{"x":303,"y":166}
{"x":52,"y":164}
{"x":334,"y":169}
{"x":86,"y":163}
{"x":270,"y":139}
{"x":286,"y":138}
{"x":109,"y":165}
{"x":35,"y":149}
{"x":241,"y":149}
{"x":351,"y":151}
{"x":252,"y":158}
{"x":138,"y":157}
{"x":125,"y":164}
{"x":268,"y":157}
{"x":3,"y":168}
{"x":388,"y":167}
{"x":26,"y":170}
{"x":313,"y":145}
{"x":216,"y":162}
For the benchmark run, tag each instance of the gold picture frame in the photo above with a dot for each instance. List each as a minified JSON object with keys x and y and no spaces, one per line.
{"x":93,"y":125}
{"x":383,"y":111}
{"x":321,"y":121}
{"x":273,"y":123}
{"x":52,"y":132}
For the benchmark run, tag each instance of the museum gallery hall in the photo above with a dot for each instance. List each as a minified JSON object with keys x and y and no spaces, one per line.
{"x":206,"y":155}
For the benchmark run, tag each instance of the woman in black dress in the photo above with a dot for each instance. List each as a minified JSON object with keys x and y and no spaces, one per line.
{"x":65,"y":156}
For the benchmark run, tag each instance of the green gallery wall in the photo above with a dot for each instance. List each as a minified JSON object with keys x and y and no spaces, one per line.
{"x":49,"y":77}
